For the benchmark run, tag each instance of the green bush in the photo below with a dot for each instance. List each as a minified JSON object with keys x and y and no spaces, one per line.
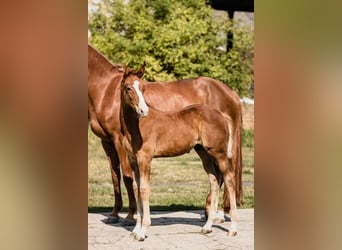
{"x":177,"y":39}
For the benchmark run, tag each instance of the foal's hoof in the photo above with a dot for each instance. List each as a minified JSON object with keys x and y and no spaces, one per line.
{"x":219,"y":217}
{"x":140,"y":237}
{"x":206,"y":230}
{"x":128,"y":222}
{"x":112,"y":220}
{"x":219,"y":220}
{"x":232,"y":233}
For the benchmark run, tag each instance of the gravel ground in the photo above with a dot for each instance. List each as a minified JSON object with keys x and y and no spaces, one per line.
{"x":172,"y":230}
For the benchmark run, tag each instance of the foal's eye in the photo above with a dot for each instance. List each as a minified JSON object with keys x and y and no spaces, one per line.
{"x":128,"y":88}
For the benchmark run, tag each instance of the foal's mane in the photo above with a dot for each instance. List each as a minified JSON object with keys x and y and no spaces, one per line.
{"x":101,"y":61}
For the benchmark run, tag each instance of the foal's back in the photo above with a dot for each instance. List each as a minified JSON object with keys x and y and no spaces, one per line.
{"x":176,"y":133}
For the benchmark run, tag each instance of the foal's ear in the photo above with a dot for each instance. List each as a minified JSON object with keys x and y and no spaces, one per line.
{"x":126,"y":71}
{"x":141,"y":71}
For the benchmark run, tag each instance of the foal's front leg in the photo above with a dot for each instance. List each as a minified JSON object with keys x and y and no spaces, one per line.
{"x":136,"y":184}
{"x":144,"y":163}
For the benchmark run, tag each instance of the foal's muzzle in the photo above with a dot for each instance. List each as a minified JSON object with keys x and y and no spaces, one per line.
{"x":142,"y":112}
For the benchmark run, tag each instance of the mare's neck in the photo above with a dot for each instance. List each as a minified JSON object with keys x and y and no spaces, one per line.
{"x":102,"y":82}
{"x":100,"y":71}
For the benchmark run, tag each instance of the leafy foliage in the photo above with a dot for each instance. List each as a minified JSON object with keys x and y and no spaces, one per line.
{"x":177,"y":39}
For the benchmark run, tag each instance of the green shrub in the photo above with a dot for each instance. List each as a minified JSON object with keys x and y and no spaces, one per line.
{"x":177,"y":39}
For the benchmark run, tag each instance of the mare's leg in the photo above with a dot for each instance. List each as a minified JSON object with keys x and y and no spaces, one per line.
{"x":229,"y":180}
{"x":144,"y":163}
{"x":112,"y":155}
{"x":226,"y":201}
{"x":127,"y":174}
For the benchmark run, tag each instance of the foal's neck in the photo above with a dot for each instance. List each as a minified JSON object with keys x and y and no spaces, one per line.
{"x":129,"y":121}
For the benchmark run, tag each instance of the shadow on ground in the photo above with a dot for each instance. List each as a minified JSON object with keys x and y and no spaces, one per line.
{"x":166,"y":220}
{"x":172,"y":207}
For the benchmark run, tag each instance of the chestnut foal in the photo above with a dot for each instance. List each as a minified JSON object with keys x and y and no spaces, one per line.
{"x":147,"y":133}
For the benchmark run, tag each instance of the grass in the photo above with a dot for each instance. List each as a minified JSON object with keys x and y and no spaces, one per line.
{"x":177,"y":183}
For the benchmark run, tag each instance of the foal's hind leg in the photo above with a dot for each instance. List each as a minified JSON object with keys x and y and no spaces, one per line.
{"x":229,"y":181}
{"x":214,"y":190}
{"x":210,"y":165}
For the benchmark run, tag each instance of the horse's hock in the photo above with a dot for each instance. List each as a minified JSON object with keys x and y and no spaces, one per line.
{"x":248,"y":115}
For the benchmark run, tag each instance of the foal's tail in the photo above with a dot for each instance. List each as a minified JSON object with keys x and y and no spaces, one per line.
{"x":230,"y":138}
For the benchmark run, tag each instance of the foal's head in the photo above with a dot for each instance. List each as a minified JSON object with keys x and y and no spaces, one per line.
{"x":131,"y":89}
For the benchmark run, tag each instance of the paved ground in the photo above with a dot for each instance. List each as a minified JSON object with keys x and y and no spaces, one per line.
{"x":172,"y":230}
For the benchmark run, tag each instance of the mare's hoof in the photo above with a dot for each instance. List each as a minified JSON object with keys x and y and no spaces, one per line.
{"x":203,"y":218}
{"x":128,"y":222}
{"x":232,"y":233}
{"x":206,"y":230}
{"x":112,"y":220}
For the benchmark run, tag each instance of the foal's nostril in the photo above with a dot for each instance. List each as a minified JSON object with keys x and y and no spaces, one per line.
{"x":142,"y":113}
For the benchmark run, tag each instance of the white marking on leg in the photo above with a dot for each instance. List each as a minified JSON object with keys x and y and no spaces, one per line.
{"x":233,"y":226}
{"x":219,"y":217}
{"x":142,"y":106}
{"x":214,"y":189}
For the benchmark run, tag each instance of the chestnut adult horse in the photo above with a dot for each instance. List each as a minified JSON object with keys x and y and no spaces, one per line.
{"x":103,"y":108}
{"x":148,"y":133}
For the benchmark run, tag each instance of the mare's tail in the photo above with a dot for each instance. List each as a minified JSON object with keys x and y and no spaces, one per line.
{"x":238,"y":160}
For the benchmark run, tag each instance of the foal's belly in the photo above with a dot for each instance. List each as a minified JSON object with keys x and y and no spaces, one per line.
{"x":174,"y":145}
{"x":171,"y":153}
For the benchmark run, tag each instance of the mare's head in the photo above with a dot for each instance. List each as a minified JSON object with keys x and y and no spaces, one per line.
{"x":132,"y":91}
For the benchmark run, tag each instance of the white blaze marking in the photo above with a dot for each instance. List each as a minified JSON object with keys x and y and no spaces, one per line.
{"x":142,"y":106}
